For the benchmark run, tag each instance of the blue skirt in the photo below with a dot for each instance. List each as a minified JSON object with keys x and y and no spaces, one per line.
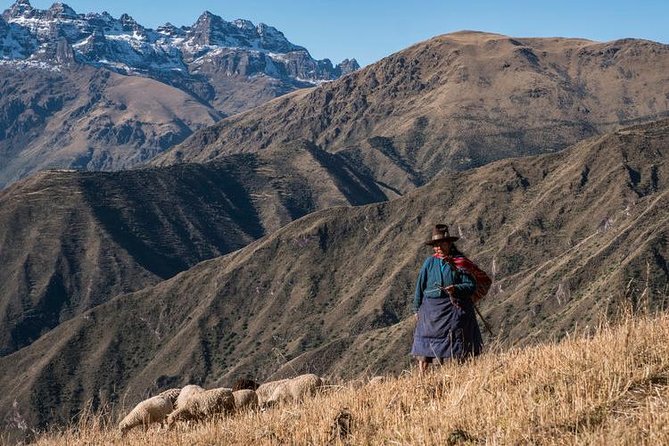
{"x":446,"y":331}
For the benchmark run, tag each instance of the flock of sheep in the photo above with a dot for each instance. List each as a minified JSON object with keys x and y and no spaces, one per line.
{"x":195,"y":403}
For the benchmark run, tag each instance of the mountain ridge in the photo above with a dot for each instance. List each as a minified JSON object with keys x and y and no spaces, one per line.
{"x":72,"y":240}
{"x":102,"y":40}
{"x":455,"y":102}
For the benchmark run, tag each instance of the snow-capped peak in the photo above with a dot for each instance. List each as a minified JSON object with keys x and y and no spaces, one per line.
{"x":61,"y":10}
{"x":246,"y":25}
{"x":169,"y":30}
{"x":125,"y":19}
{"x":125,"y":45}
{"x":21,"y":8}
{"x":205,"y":17}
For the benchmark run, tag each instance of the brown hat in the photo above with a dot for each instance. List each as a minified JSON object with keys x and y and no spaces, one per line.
{"x":440,"y":234}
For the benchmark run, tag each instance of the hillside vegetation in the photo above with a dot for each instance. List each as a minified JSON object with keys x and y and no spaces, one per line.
{"x":608,"y":388}
{"x":562,"y":234}
{"x":73,"y":240}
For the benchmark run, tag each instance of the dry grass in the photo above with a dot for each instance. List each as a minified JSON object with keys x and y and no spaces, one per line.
{"x":609,"y":388}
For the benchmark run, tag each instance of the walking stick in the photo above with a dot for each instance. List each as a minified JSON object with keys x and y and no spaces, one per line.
{"x":476,"y":308}
{"x":485,"y":323}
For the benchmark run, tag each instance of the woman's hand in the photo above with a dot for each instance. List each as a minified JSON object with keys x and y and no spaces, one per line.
{"x":451,"y":293}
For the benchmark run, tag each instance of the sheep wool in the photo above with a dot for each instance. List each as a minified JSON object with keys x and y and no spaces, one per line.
{"x":171,"y":394}
{"x":186,"y":393}
{"x":245,"y":399}
{"x":265,"y":390}
{"x":296,"y":389}
{"x":203,"y":406}
{"x":152,"y":410}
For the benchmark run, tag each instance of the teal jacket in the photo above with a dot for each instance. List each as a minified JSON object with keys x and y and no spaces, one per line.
{"x":435,"y":273}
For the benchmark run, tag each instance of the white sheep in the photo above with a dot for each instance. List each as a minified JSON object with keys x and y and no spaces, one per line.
{"x":295,"y":389}
{"x":203,"y":405}
{"x":186,"y":393}
{"x":171,"y":394}
{"x":245,"y":399}
{"x":152,"y":410}
{"x":265,"y":390}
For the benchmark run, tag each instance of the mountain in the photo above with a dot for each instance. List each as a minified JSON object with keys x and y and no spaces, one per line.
{"x":456,"y":102}
{"x":89,"y":118}
{"x":123,"y":45}
{"x":90,"y":91}
{"x":568,"y":238}
{"x":73,"y":240}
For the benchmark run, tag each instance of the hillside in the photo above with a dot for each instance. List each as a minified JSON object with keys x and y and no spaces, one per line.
{"x":86,"y":118}
{"x":456,"y":102}
{"x":71,"y":240}
{"x":568,"y":237}
{"x":611,"y":388}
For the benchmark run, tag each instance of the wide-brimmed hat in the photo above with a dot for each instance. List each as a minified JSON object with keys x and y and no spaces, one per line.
{"x":440,"y":234}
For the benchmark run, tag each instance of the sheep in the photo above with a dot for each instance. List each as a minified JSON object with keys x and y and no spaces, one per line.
{"x":244,"y":383}
{"x":245,"y":399}
{"x":186,"y":393}
{"x":171,"y":394}
{"x":203,"y":405}
{"x":152,"y":410}
{"x":265,"y":390}
{"x":295,"y":389}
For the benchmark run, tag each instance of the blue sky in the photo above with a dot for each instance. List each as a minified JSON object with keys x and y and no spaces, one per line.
{"x":371,"y":29}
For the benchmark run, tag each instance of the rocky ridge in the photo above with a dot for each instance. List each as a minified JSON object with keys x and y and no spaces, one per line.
{"x":455,"y":102}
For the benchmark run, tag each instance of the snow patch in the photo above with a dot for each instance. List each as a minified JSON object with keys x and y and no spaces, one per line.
{"x":28,"y":64}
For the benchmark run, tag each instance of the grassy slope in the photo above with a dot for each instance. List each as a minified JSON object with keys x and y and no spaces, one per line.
{"x":610,"y":388}
{"x":319,"y":294}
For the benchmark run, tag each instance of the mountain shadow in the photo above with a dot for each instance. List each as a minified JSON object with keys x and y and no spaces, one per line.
{"x":72,"y":240}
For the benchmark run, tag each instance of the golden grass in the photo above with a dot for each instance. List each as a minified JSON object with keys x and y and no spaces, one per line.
{"x":609,"y":388}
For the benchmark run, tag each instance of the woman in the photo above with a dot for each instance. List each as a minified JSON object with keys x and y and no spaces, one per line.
{"x":446,"y":325}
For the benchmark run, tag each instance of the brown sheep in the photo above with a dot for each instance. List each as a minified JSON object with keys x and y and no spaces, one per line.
{"x":244,"y":383}
{"x":245,"y":399}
